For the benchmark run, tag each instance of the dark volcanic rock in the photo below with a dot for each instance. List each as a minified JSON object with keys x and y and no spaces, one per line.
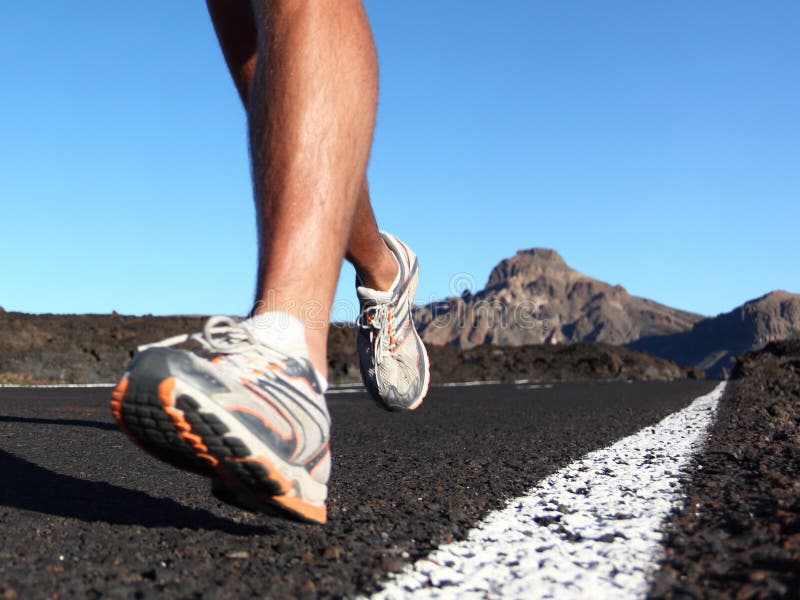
{"x":78,"y":348}
{"x":96,"y":348}
{"x":713,"y":344}
{"x":572,"y":362}
{"x":534,"y":297}
{"x":739,"y":535}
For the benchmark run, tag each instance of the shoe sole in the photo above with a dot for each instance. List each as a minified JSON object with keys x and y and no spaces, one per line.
{"x":190,"y":431}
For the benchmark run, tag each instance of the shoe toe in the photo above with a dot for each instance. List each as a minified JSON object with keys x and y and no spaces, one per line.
{"x":394,"y":400}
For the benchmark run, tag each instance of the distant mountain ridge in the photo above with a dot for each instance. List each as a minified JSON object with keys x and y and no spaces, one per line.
{"x":534,"y":297}
{"x":713,"y":343}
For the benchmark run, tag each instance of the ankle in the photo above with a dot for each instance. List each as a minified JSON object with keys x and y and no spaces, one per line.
{"x":380,"y":274}
{"x":317,"y":342}
{"x":320,"y":361}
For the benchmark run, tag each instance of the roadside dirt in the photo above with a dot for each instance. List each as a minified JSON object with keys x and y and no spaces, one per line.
{"x":739,"y":533}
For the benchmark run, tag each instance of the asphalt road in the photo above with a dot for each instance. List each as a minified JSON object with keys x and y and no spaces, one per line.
{"x":86,"y":514}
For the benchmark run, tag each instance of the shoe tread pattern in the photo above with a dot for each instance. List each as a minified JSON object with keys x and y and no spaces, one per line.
{"x":151,"y":428}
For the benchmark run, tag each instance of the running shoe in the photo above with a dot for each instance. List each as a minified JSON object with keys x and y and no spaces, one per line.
{"x":249,"y":416}
{"x":393,"y":360}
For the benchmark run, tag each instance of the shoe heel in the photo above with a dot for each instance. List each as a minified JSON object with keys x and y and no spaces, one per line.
{"x":412,"y":286}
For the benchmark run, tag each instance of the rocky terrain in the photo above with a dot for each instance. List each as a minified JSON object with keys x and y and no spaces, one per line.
{"x":739,"y":535}
{"x":534,"y":297}
{"x":77,"y":348}
{"x":575,"y":362}
{"x":712,"y":344}
{"x":96,"y":348}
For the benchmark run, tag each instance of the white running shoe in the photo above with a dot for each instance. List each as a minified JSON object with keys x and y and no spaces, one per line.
{"x":249,"y":416}
{"x":393,"y":360}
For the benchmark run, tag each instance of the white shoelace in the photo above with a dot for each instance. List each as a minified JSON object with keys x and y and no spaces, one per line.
{"x":224,"y":335}
{"x":375,"y":317}
{"x":220,"y":334}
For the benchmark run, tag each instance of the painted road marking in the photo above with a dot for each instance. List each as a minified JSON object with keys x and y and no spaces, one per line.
{"x":591,"y":530}
{"x":339,"y":388}
{"x":57,"y":385}
{"x":469,"y":383}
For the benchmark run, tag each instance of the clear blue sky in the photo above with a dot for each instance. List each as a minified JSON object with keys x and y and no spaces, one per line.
{"x":653,"y":144}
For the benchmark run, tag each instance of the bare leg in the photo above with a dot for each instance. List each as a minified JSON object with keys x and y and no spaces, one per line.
{"x":311,"y":107}
{"x":366,"y":250}
{"x":237,"y":31}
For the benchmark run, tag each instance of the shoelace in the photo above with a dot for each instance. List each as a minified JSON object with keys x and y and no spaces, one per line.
{"x":224,"y":335}
{"x":375,"y":317}
{"x":220,"y":334}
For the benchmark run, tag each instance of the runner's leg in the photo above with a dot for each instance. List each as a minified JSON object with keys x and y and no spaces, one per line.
{"x":237,"y":31}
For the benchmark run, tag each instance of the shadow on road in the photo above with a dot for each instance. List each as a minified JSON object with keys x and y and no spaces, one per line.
{"x":69,"y":422}
{"x":29,"y":486}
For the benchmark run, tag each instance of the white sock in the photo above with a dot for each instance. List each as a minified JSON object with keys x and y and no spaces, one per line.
{"x":286,"y":333}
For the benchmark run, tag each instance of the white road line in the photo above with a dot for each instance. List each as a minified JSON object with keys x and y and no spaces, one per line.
{"x":341,"y":388}
{"x":345,"y":388}
{"x":469,"y":383}
{"x":58,"y":385}
{"x":591,"y":530}
{"x":536,"y":386}
{"x":335,"y":391}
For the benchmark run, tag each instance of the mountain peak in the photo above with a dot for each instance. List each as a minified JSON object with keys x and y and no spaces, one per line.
{"x":547,"y":255}
{"x":534,"y":297}
{"x":530,"y":262}
{"x":773,"y":296}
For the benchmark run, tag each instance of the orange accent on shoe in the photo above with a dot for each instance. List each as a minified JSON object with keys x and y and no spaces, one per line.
{"x":211,"y":460}
{"x":274,"y":474}
{"x":311,"y":512}
{"x":303,"y":380}
{"x":403,"y":332}
{"x":184,"y":429}
{"x":117,"y":397}
{"x":320,"y":450}
{"x":271,"y":402}
{"x":280,"y":367}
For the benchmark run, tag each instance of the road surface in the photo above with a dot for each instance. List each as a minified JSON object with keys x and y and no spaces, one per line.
{"x":86,"y":514}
